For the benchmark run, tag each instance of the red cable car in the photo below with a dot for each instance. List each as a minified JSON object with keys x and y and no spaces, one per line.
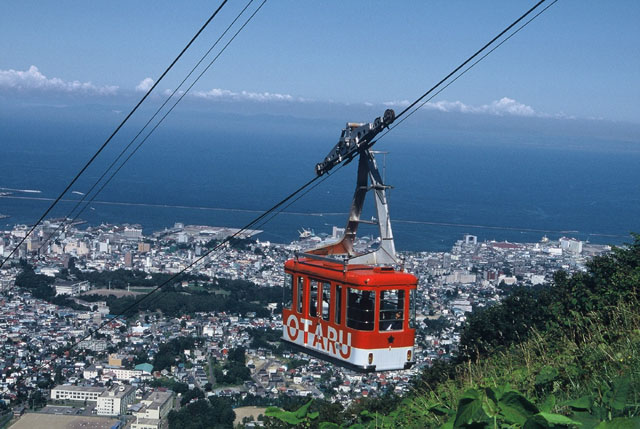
{"x":357,"y":310}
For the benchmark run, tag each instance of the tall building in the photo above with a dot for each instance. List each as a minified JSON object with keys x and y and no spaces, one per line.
{"x":571,"y":245}
{"x":114,"y":402}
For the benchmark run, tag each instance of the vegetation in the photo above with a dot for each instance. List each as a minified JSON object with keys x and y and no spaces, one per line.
{"x":572,"y":348}
{"x":41,"y":287}
{"x":212,"y":413}
{"x":232,"y":296}
{"x":171,"y":353}
{"x":234,"y":371}
{"x":266,"y":338}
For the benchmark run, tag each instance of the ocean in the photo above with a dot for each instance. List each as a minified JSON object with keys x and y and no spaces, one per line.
{"x":509,"y":182}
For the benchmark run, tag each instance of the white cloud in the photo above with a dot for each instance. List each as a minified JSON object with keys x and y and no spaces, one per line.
{"x":32,"y":79}
{"x":225,"y":94}
{"x":397,"y":103}
{"x":504,"y":106}
{"x":145,"y":85}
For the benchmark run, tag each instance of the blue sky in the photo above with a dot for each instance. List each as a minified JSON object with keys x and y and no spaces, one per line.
{"x":579,"y":59}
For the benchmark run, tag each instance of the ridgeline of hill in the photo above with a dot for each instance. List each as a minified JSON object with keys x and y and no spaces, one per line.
{"x":563,"y":355}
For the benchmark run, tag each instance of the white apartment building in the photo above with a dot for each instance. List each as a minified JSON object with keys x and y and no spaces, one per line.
{"x":114,"y":402}
{"x":76,"y":393}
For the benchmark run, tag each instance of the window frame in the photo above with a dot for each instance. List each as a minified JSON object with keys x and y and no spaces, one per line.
{"x":389,"y":308}
{"x":300,"y":294}
{"x":361,"y":315}
{"x":287,"y":291}
{"x":314,"y":289}
{"x":337,"y":304}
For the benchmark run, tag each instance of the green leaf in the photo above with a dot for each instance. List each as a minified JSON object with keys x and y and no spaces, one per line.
{"x":546,"y":375}
{"x":470,"y":410}
{"x":516,"y":408}
{"x":548,"y":420}
{"x":619,"y":393}
{"x":328,"y":425}
{"x":548,"y":404}
{"x":582,"y":403}
{"x":500,"y":391}
{"x":441,"y":410}
{"x":313,"y":416}
{"x":588,"y":420}
{"x":489,"y":402}
{"x":621,"y":423}
{"x":448,"y":424}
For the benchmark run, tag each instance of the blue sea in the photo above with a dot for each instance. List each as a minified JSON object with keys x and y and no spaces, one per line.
{"x":497,"y":179}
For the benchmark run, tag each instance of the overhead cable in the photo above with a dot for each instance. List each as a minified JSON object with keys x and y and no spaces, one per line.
{"x":95,"y":155}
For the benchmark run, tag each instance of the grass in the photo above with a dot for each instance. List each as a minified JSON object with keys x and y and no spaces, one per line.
{"x":602,"y":347}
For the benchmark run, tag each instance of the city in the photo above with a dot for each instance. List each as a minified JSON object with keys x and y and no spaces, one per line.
{"x":69,"y":355}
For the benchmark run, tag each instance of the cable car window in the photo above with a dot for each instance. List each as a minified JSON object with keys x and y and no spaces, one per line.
{"x":313,"y":298}
{"x":287,"y":291}
{"x":412,"y":308}
{"x":361,"y":306}
{"x":337,"y":302}
{"x":326,"y":293}
{"x":300,"y":294}
{"x":391,"y":310}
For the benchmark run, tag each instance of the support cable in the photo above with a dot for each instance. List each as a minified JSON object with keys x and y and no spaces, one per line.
{"x":478,"y":52}
{"x":419,"y":106}
{"x":86,"y":194}
{"x":158,"y":288}
{"x":162,"y":119}
{"x":95,"y":155}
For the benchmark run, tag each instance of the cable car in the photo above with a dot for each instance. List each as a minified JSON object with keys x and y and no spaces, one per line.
{"x":357,"y":310}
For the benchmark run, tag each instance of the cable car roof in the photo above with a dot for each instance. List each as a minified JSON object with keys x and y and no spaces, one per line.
{"x":357,"y":275}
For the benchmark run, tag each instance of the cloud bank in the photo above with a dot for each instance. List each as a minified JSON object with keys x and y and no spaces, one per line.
{"x":502,"y":107}
{"x":32,"y":79}
{"x":225,"y":94}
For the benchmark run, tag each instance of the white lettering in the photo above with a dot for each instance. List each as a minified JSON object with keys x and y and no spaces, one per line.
{"x":332,"y":343}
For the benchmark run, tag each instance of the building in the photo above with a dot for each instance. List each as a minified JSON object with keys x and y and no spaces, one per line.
{"x":132,"y":233}
{"x":123,"y":374}
{"x":115,"y":360}
{"x":90,"y":372}
{"x":71,"y":288}
{"x":76,"y":393}
{"x":114,"y":402}
{"x":470,"y":239}
{"x":571,"y":244}
{"x":154,"y":410}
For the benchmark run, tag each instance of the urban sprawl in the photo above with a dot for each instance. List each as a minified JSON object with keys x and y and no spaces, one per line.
{"x":111,"y":374}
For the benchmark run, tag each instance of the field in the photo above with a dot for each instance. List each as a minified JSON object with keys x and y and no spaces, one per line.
{"x":116,"y":292}
{"x":52,"y":421}
{"x":243,"y":412}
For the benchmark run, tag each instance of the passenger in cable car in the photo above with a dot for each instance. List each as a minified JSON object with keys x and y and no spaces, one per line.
{"x":395,"y":323}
